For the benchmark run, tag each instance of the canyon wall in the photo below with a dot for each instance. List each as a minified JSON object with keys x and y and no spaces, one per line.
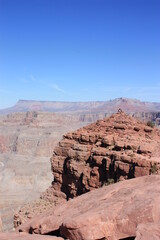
{"x":27,"y":140}
{"x":115,"y":148}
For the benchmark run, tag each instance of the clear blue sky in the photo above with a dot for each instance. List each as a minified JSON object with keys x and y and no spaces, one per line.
{"x":79,"y":50}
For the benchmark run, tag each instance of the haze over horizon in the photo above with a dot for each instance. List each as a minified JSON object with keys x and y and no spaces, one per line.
{"x":83,"y":50}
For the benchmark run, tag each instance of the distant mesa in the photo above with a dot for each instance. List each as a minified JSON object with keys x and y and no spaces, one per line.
{"x":111,"y":106}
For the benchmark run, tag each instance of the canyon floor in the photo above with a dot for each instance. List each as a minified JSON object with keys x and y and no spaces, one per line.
{"x":26,"y":145}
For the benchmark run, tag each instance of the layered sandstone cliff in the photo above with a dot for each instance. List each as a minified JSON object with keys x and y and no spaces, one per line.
{"x":115,"y":148}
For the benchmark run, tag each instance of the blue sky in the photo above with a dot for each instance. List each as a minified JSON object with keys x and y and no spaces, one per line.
{"x":79,"y":50}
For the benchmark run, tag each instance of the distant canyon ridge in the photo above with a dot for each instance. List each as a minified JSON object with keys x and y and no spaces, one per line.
{"x":127,"y":105}
{"x":91,"y":111}
{"x":30,"y":130}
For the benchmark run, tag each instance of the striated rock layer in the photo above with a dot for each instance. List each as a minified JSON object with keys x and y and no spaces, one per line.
{"x":116,"y":148}
{"x":119,"y":211}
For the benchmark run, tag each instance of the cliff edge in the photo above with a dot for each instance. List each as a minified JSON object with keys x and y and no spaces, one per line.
{"x":110,"y":150}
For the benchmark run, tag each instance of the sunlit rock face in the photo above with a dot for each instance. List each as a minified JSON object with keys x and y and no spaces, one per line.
{"x":113,"y":149}
{"x":124,"y":210}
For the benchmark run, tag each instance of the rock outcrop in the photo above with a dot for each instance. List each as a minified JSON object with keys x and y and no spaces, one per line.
{"x":118,"y":211}
{"x":116,"y":148}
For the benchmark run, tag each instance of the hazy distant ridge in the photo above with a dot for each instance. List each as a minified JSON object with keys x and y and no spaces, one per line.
{"x":128,"y":105}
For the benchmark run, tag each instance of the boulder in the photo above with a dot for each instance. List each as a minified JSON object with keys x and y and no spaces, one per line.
{"x":118,"y":211}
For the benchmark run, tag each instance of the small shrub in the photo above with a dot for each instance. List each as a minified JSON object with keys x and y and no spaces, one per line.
{"x":153,"y":169}
{"x":108,"y":182}
{"x":35,"y":114}
{"x":150,"y":124}
{"x":48,"y":133}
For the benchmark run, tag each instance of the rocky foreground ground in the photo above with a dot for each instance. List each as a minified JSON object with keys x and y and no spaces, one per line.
{"x":126,"y":210}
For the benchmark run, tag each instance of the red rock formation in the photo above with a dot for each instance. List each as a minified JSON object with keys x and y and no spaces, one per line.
{"x":112,"y":212}
{"x":116,"y":148}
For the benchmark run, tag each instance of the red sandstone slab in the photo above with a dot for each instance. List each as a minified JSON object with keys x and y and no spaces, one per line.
{"x":112,"y":212}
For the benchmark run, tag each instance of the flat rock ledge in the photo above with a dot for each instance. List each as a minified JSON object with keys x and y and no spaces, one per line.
{"x":127,"y":209}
